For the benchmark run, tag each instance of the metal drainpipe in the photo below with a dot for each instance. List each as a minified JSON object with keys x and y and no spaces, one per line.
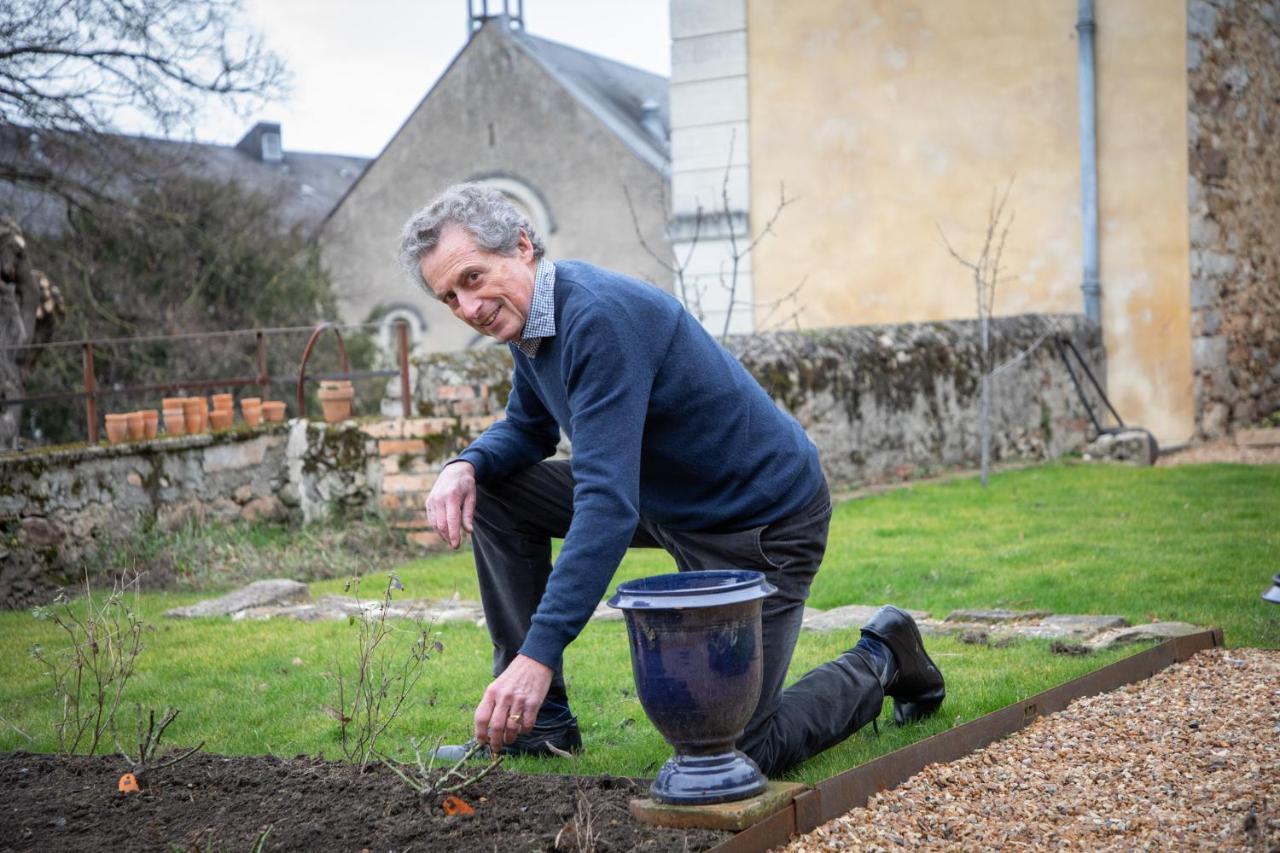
{"x":1091,"y":286}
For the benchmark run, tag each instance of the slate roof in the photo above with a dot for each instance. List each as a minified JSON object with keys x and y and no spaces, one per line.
{"x":614,"y":92}
{"x":307,"y":185}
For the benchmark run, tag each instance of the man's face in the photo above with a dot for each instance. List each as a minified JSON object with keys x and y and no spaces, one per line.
{"x":489,"y":292}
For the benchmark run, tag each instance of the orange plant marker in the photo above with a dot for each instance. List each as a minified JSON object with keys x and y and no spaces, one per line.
{"x":128,"y":784}
{"x":456,"y":806}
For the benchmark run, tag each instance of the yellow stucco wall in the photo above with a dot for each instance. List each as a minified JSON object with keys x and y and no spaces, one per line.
{"x":890,"y":120}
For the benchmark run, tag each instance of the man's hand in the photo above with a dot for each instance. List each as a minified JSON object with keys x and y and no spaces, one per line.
{"x":510,"y":704}
{"x":451,"y":506}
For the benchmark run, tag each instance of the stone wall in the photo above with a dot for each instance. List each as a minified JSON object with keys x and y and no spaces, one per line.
{"x":880,"y":402}
{"x":1233,"y":74}
{"x":58,"y":505}
{"x":900,"y":401}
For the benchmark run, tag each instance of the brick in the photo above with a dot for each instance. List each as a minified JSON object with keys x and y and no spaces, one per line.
{"x":419,"y":427}
{"x":479,"y":424}
{"x":400,"y":483}
{"x":388,"y":447}
{"x":390,"y":502}
{"x":467,"y":408}
{"x":390,"y":465}
{"x":391,"y":428}
{"x":414,"y":522}
{"x":461,"y":392}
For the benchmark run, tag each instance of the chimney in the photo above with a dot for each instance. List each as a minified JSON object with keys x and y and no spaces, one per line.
{"x":262,"y":142}
{"x":651,"y":120}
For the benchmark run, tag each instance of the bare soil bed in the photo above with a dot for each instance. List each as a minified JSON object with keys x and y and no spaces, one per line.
{"x":210,"y":802}
{"x":1188,"y":759}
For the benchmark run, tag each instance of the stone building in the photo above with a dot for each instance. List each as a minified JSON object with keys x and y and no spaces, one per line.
{"x":889,"y":123}
{"x":567,"y":135}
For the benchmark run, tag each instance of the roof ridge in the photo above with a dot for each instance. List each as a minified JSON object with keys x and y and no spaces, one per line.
{"x":642,"y":143}
{"x":596,"y":56}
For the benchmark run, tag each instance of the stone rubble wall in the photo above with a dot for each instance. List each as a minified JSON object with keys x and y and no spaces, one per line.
{"x":57,"y":505}
{"x":1233,"y":75}
{"x":880,"y":402}
{"x":894,"y":402}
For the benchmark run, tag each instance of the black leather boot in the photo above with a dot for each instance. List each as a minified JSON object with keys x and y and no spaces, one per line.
{"x":917,"y":687}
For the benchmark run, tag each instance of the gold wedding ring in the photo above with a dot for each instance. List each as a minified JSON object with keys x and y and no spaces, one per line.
{"x":515,"y":718}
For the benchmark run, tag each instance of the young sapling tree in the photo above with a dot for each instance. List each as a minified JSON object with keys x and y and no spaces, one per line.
{"x":89,"y":674}
{"x":148,"y":763}
{"x":372,"y":691}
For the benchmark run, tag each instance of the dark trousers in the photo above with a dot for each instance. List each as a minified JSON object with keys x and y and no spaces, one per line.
{"x":515,"y":522}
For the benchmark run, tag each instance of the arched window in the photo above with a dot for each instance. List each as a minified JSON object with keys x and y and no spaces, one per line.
{"x":387,"y":329}
{"x":525,"y":198}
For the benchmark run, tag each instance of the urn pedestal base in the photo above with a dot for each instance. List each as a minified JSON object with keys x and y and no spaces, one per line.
{"x":695,"y":780}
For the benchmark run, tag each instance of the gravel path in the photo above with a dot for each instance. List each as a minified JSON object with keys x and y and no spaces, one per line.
{"x":1189,"y":759}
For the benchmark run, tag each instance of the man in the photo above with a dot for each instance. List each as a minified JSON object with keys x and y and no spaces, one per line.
{"x":674,"y":446}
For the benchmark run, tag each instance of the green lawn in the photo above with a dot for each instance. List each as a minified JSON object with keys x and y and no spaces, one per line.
{"x":1196,"y":543}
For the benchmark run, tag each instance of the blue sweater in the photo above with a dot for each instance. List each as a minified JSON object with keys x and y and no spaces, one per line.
{"x":664,"y":423}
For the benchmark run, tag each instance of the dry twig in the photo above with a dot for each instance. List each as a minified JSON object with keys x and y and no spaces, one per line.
{"x":453,"y":779}
{"x":149,"y":745}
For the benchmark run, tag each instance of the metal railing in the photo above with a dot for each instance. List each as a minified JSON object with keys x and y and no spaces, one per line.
{"x":263,"y":378}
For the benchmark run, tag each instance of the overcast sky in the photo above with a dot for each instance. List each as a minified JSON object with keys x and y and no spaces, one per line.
{"x":359,"y":69}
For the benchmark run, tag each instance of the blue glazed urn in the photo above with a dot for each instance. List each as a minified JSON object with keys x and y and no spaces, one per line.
{"x":696,"y":656}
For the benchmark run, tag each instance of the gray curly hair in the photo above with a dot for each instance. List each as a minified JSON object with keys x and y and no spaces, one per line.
{"x":484,"y":212}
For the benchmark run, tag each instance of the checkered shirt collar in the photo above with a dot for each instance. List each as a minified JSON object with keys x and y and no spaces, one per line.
{"x":541,"y":322}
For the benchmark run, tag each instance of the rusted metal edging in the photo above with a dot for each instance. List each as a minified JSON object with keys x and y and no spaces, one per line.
{"x":852,"y":788}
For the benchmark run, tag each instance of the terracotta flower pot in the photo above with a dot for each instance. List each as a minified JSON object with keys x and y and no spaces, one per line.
{"x":117,"y":428}
{"x":336,"y":399}
{"x":251,"y":412}
{"x":174,"y":421}
{"x":137,"y":426}
{"x":150,"y":422}
{"x":172,"y":403}
{"x":223,"y":402}
{"x":220,"y":418}
{"x":193,"y":414}
{"x":273,"y":411}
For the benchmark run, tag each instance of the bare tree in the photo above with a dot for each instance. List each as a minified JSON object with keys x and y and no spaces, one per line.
{"x":70,"y":69}
{"x":986,"y":275}
{"x":721,"y":218}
